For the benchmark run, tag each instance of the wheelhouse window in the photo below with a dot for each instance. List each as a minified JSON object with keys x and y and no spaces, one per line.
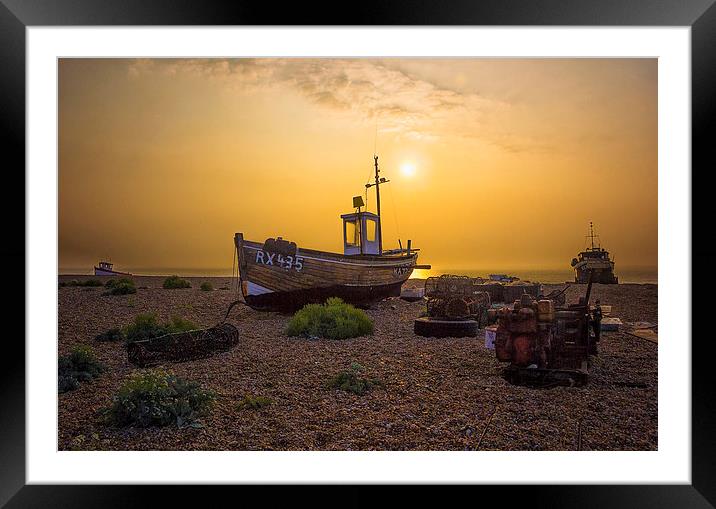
{"x":370,"y":229}
{"x":352,"y":233}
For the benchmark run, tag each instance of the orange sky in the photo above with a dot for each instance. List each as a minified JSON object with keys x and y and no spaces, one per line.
{"x":161,"y":161}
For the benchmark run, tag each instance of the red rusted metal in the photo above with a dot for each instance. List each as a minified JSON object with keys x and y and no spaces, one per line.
{"x":546,"y":342}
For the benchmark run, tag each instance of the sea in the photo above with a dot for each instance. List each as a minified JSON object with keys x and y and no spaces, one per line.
{"x":639,"y":275}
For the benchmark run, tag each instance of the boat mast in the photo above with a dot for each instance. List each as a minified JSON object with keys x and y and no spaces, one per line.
{"x":378,"y":181}
{"x":591,"y":233}
{"x":377,"y":198}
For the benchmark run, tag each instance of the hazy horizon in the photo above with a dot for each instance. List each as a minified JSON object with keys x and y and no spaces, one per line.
{"x":493,"y":162}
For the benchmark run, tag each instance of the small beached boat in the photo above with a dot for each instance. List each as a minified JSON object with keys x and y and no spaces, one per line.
{"x":105,"y":269}
{"x":279,"y":275}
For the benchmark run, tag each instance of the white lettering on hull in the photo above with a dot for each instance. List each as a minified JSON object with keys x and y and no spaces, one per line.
{"x":285,"y":262}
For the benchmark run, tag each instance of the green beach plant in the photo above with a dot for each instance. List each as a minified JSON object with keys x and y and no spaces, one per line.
{"x":110,"y":335}
{"x":351,"y":380}
{"x":76,"y":282}
{"x":159,"y":398}
{"x":120,"y":286}
{"x":333,"y":320}
{"x":147,"y":326}
{"x":251,"y":402}
{"x":79,"y":366}
{"x":174,"y":282}
{"x":206,"y":286}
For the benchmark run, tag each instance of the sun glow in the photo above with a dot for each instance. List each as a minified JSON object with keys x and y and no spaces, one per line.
{"x":407,"y":169}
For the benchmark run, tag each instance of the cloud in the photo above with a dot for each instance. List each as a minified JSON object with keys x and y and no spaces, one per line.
{"x":368,"y":89}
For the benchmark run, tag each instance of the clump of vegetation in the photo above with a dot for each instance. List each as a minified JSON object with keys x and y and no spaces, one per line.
{"x":147,"y":326}
{"x":75,"y":282}
{"x":251,"y":402}
{"x":352,"y":381}
{"x":111,"y":283}
{"x":175,"y":281}
{"x":89,"y":443}
{"x":206,"y":286}
{"x":159,"y":398}
{"x":110,"y":335}
{"x":333,"y":320}
{"x":120,"y":286}
{"x":79,"y":366}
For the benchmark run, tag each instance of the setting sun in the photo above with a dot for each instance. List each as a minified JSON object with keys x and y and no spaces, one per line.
{"x":407,"y":169}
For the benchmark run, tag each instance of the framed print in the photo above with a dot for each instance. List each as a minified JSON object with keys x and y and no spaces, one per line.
{"x":418,"y":245}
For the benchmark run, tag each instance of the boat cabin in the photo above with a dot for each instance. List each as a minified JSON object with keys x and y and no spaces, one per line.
{"x":105,"y":265}
{"x":361,"y":233}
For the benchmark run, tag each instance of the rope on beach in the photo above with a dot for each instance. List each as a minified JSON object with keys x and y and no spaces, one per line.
{"x":231,"y":306}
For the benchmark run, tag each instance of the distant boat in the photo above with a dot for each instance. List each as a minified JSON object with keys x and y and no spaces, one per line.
{"x":594,"y":260}
{"x":105,"y":269}
{"x":503,"y":278}
{"x":279,"y":275}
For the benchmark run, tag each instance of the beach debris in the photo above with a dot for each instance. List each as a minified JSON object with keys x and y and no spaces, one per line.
{"x":559,"y":297}
{"x":412,"y":294}
{"x":455,"y":297}
{"x":647,"y":334}
{"x":610,"y":324}
{"x":436,"y":328}
{"x":546,"y":345}
{"x":490,"y":336}
{"x":507,"y":292}
{"x":455,"y":308}
{"x":487,"y":425}
{"x":641,"y":325}
{"x":182,"y":346}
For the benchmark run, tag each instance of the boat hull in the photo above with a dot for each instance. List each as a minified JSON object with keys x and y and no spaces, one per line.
{"x":602,"y":272}
{"x":293,"y":300}
{"x":285,"y":281}
{"x":105,"y":272}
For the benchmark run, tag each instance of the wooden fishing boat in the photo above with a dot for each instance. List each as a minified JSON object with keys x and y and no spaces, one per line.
{"x":105,"y":269}
{"x":280,"y":275}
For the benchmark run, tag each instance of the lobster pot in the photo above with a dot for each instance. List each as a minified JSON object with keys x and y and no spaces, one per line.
{"x":447,"y":284}
{"x":182,"y":346}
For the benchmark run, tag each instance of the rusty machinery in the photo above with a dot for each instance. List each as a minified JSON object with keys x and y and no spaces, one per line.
{"x":544,"y":344}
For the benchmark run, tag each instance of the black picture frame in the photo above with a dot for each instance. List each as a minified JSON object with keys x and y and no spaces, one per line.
{"x":16,"y":15}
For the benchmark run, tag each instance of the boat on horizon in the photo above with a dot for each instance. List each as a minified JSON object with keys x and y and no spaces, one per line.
{"x":278,"y":275}
{"x":595,"y":261}
{"x":106,"y":269}
{"x":503,"y":278}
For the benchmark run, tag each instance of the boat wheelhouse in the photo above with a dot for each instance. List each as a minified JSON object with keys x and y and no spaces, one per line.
{"x":104,"y":268}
